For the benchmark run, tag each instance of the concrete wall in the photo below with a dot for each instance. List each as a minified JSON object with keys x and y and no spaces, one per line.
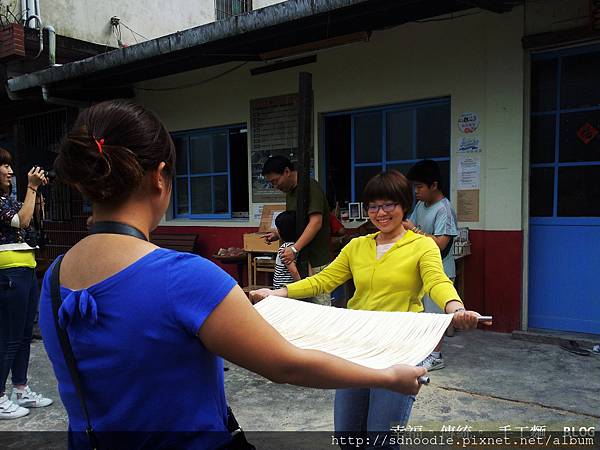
{"x":262,"y":3}
{"x":476,"y":60}
{"x":90,"y":20}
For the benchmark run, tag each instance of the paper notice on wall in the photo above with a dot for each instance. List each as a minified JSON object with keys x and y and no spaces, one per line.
{"x":468,"y":144}
{"x":469,"y":172}
{"x":257,"y":212}
{"x":468,"y":122}
{"x":467,"y":205}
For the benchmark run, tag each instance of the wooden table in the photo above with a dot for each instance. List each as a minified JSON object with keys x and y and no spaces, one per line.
{"x":239,"y":261}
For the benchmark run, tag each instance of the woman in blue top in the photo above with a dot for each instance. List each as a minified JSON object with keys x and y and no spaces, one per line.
{"x":148,"y":325}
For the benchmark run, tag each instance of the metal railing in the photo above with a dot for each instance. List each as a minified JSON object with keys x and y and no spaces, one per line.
{"x":228,"y":8}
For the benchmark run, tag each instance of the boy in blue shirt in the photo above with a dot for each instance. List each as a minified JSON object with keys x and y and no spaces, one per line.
{"x":435,"y":217}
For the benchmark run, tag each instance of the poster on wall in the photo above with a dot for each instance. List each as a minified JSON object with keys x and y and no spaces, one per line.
{"x":274,"y":131}
{"x":469,"y":172}
{"x":469,"y":144}
{"x":468,"y":122}
{"x":467,"y":205}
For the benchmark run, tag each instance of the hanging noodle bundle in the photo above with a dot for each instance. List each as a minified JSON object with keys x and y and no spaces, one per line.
{"x":373,"y":339}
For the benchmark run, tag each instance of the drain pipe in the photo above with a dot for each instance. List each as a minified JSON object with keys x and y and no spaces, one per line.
{"x":24,"y":10}
{"x":36,"y":17}
{"x":51,"y":44}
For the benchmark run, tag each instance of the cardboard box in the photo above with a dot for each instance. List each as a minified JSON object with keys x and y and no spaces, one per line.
{"x":254,"y":242}
{"x":267,"y":218}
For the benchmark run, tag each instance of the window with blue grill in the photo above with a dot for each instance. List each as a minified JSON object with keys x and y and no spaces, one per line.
{"x":362,"y":143}
{"x":397,"y":137}
{"x":203,"y":176}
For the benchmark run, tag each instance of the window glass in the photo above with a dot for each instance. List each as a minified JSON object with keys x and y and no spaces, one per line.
{"x":201,"y":191}
{"x":362,"y":176}
{"x":579,"y":136}
{"x":431,"y":122}
{"x":543,"y":132}
{"x":403,"y":168}
{"x":399,"y":135}
{"x":219,"y":149}
{"x":579,"y":191}
{"x":181,"y":189}
{"x":433,"y":131}
{"x":201,"y":154}
{"x":579,"y":86}
{"x":220,"y":184}
{"x":181,"y":147}
{"x":543,"y":85}
{"x":541,"y":192}
{"x":203,"y":173}
{"x":367,"y":137}
{"x":445,"y":173}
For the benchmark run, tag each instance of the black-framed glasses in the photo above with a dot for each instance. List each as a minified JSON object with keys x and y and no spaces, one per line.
{"x":387,"y":207}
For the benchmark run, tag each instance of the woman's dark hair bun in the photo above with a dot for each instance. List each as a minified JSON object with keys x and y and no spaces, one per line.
{"x":110,"y":148}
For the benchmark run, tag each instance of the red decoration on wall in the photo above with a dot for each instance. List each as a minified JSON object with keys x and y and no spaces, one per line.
{"x":587,"y":133}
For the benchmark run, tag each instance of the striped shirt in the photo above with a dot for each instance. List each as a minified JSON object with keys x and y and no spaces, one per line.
{"x":282,"y":275}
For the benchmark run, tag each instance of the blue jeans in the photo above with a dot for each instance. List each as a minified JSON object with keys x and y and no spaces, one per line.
{"x":361,"y":411}
{"x":18,"y":307}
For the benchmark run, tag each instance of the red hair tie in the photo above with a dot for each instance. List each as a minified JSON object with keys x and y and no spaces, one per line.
{"x":99,"y":143}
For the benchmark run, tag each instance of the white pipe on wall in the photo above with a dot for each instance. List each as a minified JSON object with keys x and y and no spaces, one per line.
{"x":37,"y":9}
{"x":51,"y":44}
{"x":30,"y":8}
{"x":24,"y":10}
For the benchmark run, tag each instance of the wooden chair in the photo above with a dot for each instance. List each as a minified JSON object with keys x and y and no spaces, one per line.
{"x":262,"y":265}
{"x":180,"y":242}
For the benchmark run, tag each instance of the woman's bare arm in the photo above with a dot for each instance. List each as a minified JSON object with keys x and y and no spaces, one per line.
{"x":236,"y":331}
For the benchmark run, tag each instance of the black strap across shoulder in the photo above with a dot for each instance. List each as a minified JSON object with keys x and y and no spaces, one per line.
{"x":68,"y":350}
{"x":117,"y":228}
{"x":239,"y":441}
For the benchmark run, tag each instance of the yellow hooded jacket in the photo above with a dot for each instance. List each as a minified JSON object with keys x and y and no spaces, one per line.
{"x":395,"y":282}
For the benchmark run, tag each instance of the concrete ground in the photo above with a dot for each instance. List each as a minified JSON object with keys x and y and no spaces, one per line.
{"x":490,"y":381}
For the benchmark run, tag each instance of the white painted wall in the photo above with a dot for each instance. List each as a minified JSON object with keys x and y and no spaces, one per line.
{"x":90,"y":20}
{"x":477,"y":60}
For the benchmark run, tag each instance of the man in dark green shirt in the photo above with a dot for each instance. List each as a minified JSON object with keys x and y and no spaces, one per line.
{"x":314,"y":239}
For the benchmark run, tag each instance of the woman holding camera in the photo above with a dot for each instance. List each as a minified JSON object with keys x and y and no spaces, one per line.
{"x":18,"y":291}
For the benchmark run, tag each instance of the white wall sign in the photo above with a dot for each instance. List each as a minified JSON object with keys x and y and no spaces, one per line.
{"x":469,"y":172}
{"x":468,"y":122}
{"x":257,"y":211}
{"x":468,"y":144}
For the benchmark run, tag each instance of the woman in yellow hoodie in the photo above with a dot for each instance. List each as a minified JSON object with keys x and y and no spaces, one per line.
{"x":391,"y":269}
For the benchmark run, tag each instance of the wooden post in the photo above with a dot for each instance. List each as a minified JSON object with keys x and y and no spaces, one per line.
{"x":305,"y":102}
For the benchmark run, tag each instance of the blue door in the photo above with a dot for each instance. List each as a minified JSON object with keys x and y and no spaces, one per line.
{"x":564,"y":187}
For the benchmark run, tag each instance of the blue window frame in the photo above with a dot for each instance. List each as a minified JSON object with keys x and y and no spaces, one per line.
{"x":396,"y":137}
{"x":202,"y":186}
{"x":565,"y":138}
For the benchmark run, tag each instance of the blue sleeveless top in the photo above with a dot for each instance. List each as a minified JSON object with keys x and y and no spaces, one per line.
{"x":143,"y":369}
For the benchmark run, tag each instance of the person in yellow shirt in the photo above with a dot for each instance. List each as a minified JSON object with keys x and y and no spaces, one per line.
{"x":390,"y":269}
{"x":18,"y":291}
